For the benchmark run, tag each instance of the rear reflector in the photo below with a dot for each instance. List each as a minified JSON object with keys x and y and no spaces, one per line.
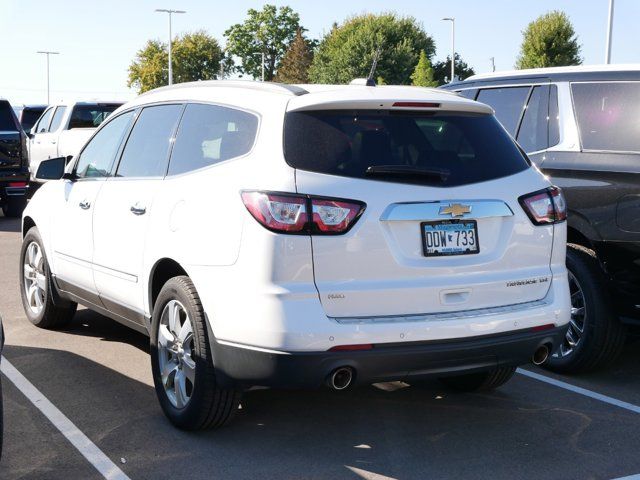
{"x":18,"y":184}
{"x":289,"y":213}
{"x":416,"y":105}
{"x":351,"y":348}
{"x":542,"y":328}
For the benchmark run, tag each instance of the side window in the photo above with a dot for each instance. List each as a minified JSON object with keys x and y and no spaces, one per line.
{"x":209,"y":134}
{"x":533,"y":132}
{"x":91,"y":115}
{"x":57,"y":119}
{"x":607,"y":115}
{"x":43,"y":123}
{"x":554,"y":117}
{"x":469,"y":93}
{"x":147,"y":150}
{"x":97,"y":157}
{"x":508,"y":104}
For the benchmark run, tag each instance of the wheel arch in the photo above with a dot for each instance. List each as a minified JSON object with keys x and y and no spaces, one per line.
{"x":27,"y":224}
{"x":163,"y":270}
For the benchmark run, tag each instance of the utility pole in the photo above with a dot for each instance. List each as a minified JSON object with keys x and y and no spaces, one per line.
{"x":170,"y":12}
{"x":607,"y":55}
{"x":48,"y":53}
{"x":453,"y":47}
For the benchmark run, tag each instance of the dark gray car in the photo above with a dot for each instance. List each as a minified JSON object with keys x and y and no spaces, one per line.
{"x":581,"y":127}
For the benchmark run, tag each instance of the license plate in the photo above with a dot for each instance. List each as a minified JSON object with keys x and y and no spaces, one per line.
{"x":449,"y":237}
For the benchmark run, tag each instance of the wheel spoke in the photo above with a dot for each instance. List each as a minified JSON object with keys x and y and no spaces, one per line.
{"x":189,"y":368}
{"x":185,"y":330}
{"x":165,"y":337}
{"x":31,"y":254}
{"x":41,"y":281}
{"x":180,"y":389}
{"x":575,"y":326}
{"x":37,"y":259}
{"x":174,"y":317}
{"x":169,"y":368}
{"x":31,"y":294}
{"x":29,"y":271}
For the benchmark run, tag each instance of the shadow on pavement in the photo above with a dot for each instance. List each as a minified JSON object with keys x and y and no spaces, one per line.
{"x":9,"y":224}
{"x":526,"y":430}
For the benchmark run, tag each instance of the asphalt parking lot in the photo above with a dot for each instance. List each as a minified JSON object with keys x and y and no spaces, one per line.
{"x":97,"y":374}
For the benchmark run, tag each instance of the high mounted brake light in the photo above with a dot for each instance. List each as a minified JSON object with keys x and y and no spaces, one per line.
{"x":416,"y":105}
{"x":545,"y":207}
{"x":302,"y":214}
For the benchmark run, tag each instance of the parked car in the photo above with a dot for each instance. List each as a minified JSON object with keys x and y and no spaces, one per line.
{"x":288,"y":236}
{"x":63,"y":129}
{"x":579,"y":126}
{"x":28,"y":115}
{"x":14,"y":165}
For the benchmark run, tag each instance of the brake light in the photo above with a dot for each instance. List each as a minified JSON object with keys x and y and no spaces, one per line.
{"x":545,"y":206}
{"x":351,"y":348}
{"x":289,"y":213}
{"x":416,"y":105}
{"x":18,"y":184}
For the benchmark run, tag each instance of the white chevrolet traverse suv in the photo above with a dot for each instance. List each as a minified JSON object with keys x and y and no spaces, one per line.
{"x":295,"y":236}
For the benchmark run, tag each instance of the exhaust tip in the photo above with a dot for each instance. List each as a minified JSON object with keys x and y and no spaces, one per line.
{"x":341,"y":378}
{"x":541,"y":354}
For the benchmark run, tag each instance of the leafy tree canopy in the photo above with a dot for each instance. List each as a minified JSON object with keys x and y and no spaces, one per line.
{"x":295,"y":64}
{"x":269,"y":31}
{"x":442,"y":70}
{"x":549,"y":41}
{"x":422,"y":76}
{"x":348,"y":50}
{"x":196,"y":56}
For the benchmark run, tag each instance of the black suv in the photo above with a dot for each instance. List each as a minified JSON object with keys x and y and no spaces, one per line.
{"x":14,"y":163}
{"x":581,"y":127}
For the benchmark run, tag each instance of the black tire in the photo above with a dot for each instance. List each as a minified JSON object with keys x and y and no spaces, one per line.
{"x":53,"y":315}
{"x":603,"y":334}
{"x":14,"y":206}
{"x":209,"y":405}
{"x":480,"y":382}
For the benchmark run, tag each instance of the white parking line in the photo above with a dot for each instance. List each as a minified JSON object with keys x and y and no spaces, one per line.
{"x":86,"y":447}
{"x":581,"y":391}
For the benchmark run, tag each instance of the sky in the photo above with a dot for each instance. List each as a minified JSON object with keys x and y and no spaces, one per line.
{"x":97,"y":40}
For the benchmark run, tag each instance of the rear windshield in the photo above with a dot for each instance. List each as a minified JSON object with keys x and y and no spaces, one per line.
{"x":90,"y":116}
{"x":441,"y":149}
{"x":30,"y":116}
{"x":7,"y":123}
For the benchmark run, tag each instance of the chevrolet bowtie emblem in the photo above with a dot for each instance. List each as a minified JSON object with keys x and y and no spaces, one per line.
{"x":455,"y":210}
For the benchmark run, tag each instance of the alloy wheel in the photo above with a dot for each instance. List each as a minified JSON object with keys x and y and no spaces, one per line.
{"x":578,"y":319}
{"x":35,"y":281}
{"x":175,"y":350}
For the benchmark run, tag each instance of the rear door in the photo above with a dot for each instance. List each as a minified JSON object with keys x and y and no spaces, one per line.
{"x":442,"y":231}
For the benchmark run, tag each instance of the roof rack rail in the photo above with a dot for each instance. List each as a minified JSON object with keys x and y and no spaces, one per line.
{"x":248,"y":84}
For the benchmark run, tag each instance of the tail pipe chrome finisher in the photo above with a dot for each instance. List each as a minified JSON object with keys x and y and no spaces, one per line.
{"x":541,"y":354}
{"x":341,"y":378}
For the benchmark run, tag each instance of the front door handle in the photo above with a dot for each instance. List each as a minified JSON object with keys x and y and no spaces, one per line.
{"x":138,"y":210}
{"x":85,"y":205}
{"x":53,"y":142}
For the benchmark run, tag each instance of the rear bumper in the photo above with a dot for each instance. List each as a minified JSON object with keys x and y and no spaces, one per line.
{"x":7,"y":181}
{"x":247,"y":366}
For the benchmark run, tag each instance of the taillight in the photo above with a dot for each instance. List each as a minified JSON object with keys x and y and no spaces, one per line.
{"x":545,"y":206}
{"x":17,"y":184}
{"x":289,"y":213}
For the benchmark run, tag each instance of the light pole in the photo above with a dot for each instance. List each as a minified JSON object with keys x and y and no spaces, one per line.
{"x":607,"y":55}
{"x":453,"y":46}
{"x":262,"y":58}
{"x":170,"y":12}
{"x":47,"y":53}
{"x":493,"y":63}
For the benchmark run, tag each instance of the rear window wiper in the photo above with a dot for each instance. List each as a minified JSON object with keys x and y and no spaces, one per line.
{"x":407,"y":171}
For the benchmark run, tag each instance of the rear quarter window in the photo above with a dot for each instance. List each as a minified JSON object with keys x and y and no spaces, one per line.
{"x":608,"y":115}
{"x":7,"y":122}
{"x":508,"y":104}
{"x":464,"y":148}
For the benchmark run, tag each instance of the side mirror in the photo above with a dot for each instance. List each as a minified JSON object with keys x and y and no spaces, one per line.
{"x":52,"y":169}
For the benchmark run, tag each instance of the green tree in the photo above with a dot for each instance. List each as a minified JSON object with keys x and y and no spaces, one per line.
{"x":549,"y":41}
{"x":295,"y":64}
{"x":442,"y":70}
{"x":196,"y":56}
{"x":269,"y":31}
{"x":348,"y":50}
{"x":422,"y":76}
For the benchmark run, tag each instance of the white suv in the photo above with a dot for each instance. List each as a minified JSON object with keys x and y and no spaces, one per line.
{"x":294,"y":236}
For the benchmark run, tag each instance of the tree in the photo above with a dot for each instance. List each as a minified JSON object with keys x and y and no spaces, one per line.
{"x":422,"y":76}
{"x":196,"y":56}
{"x":269,"y":31}
{"x":442,"y":70}
{"x":348,"y":50}
{"x":549,"y":41}
{"x":295,"y":64}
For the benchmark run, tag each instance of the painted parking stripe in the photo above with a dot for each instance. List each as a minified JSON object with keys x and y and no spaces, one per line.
{"x":630,"y":477}
{"x":86,"y":447}
{"x":581,"y":391}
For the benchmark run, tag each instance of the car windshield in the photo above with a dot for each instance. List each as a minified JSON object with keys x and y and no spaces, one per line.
{"x":90,"y":116}
{"x":439,"y":149}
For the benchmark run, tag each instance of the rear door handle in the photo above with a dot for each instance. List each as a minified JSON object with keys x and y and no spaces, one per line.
{"x":138,"y":210}
{"x":85,"y":205}
{"x":53,"y":142}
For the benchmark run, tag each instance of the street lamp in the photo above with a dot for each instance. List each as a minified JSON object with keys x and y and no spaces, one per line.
{"x":453,"y":46}
{"x":262,"y":59}
{"x":47,"y":53}
{"x":170,"y":12}
{"x":607,"y":55}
